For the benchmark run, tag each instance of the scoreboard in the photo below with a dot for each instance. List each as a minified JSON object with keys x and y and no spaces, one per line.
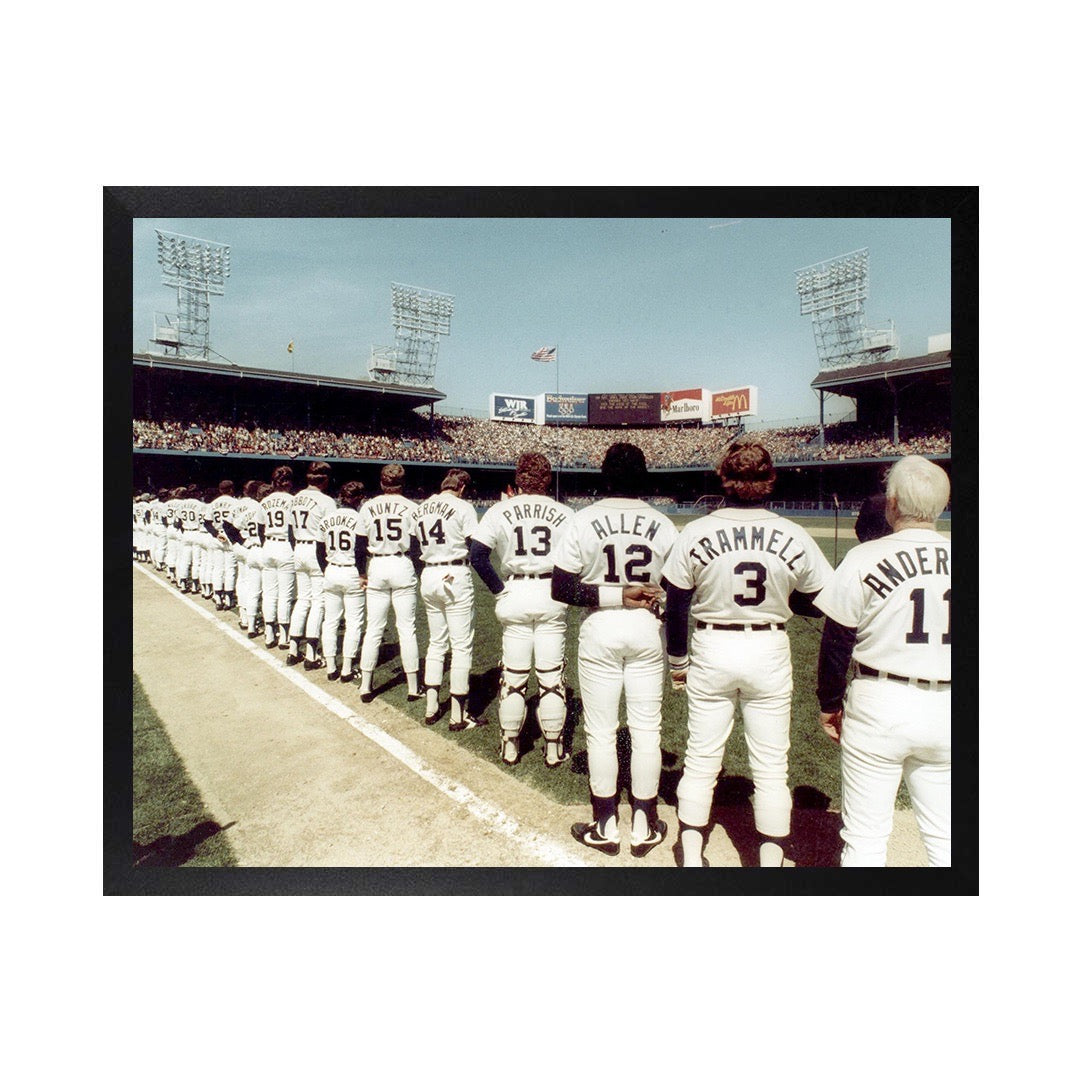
{"x":608,"y":410}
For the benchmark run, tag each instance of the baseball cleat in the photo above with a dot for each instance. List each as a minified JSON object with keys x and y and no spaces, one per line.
{"x":348,"y":676}
{"x":464,"y":724}
{"x":643,"y":847}
{"x":511,"y":750}
{"x":314,"y":665}
{"x":432,"y":719}
{"x":292,"y":659}
{"x":367,"y":698}
{"x":333,"y":675}
{"x":589,"y":834}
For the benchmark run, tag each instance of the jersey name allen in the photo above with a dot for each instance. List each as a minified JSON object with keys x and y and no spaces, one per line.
{"x":704,"y":551}
{"x":608,"y":528}
{"x":534,"y":512}
{"x":907,"y":569}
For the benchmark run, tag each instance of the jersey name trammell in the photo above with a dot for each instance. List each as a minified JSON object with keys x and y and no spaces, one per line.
{"x":891,"y":576}
{"x":534,"y":512}
{"x":608,"y":528}
{"x":703,"y":552}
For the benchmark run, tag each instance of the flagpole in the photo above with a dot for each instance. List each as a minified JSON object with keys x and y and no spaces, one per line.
{"x":558,"y":428}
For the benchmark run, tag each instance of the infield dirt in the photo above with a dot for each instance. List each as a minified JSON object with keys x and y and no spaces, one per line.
{"x":298,"y":786}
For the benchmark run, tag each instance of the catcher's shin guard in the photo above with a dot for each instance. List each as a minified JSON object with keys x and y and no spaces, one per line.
{"x":551,"y":701}
{"x":512,"y":700}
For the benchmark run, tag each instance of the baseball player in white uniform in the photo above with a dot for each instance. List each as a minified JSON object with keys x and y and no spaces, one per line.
{"x":244,"y":531}
{"x":889,"y":607}
{"x":390,"y":558}
{"x":157,"y":527}
{"x":443,"y":524}
{"x":189,"y":550}
{"x":222,"y":556}
{"x":343,"y":588}
{"x":523,"y":533}
{"x":309,"y":507}
{"x":734,"y":572}
{"x":279,"y":571}
{"x":610,"y":561}
{"x":173,"y":532}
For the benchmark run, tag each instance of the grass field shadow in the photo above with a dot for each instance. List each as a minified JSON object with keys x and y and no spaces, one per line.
{"x":171,"y":850}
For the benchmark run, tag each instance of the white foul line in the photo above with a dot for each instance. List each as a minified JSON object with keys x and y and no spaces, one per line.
{"x":486,"y":813}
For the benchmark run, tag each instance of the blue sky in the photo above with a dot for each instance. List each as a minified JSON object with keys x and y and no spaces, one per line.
{"x":632,"y":303}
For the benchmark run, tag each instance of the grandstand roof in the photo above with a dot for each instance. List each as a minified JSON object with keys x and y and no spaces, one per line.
{"x":407,"y":396}
{"x":850,"y":381}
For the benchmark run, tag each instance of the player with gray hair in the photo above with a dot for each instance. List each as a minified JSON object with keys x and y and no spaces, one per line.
{"x":889,"y":608}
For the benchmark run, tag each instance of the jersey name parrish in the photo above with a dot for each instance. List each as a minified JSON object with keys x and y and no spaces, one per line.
{"x":551,"y":514}
{"x":891,"y":576}
{"x":743,"y":538}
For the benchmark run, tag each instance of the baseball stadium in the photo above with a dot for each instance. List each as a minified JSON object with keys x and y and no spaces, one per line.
{"x":245,"y":757}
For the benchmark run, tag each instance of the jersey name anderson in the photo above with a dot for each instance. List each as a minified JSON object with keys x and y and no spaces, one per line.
{"x":906,"y":568}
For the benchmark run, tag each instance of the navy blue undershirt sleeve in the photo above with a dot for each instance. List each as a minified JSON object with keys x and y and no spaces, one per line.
{"x":480,"y":557}
{"x":834,"y":659}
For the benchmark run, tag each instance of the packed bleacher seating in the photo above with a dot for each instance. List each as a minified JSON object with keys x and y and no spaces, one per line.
{"x":466,"y":441}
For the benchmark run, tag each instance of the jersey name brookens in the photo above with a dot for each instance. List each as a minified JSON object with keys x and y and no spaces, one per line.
{"x":553,"y":515}
{"x":607,"y":527}
{"x":891,"y":575}
{"x":736,"y":538}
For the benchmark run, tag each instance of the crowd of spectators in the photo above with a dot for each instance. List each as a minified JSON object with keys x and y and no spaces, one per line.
{"x":468,"y":441}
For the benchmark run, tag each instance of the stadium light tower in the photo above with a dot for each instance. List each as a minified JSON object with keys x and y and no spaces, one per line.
{"x":420,"y":317}
{"x":197,"y":269}
{"x":834,"y":292}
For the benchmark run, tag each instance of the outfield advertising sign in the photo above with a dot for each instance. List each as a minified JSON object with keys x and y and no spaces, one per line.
{"x":518,"y":408}
{"x":742,"y":401}
{"x":679,"y":405}
{"x":606,"y":410}
{"x":566,"y":409}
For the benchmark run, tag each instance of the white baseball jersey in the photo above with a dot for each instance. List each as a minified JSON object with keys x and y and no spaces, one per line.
{"x":743,"y":563}
{"x":191,"y":514}
{"x":388,"y":523}
{"x":897,"y":594}
{"x":221,"y":509}
{"x":443,"y":526}
{"x":337,"y":530}
{"x":523,"y":532}
{"x":246,"y":517}
{"x":275,"y":511}
{"x":308,"y":509}
{"x":616,"y":542}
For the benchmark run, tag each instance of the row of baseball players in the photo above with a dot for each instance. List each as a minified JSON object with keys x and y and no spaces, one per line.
{"x":714,"y":598}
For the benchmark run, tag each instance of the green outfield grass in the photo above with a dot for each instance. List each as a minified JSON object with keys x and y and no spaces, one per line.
{"x":170,"y":825}
{"x":814,"y":760}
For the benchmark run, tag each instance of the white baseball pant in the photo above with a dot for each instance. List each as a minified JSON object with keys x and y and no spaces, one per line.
{"x":447,"y":592}
{"x":342,"y":595}
{"x":891,"y":731}
{"x":278,"y":582}
{"x":186,"y":565}
{"x":307,"y":612}
{"x":753,"y":669}
{"x":534,"y":632}
{"x":621,"y":650}
{"x":391,"y":580}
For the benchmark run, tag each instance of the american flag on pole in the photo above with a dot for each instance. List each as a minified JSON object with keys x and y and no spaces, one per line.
{"x":546,"y":354}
